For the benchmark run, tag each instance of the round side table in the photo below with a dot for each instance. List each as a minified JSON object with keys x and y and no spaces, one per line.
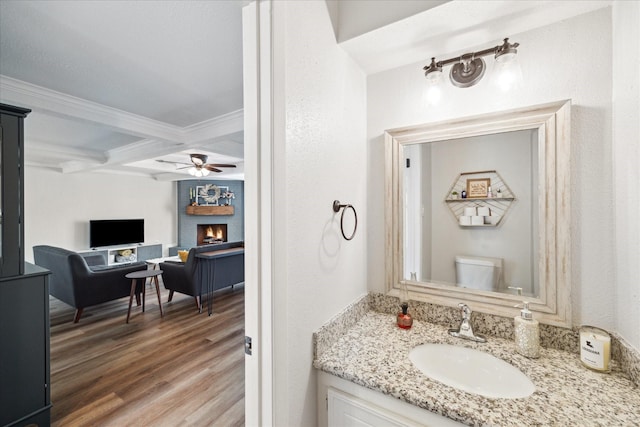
{"x":143,"y":274}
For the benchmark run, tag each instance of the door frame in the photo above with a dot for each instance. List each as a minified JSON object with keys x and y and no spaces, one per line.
{"x":259,"y":189}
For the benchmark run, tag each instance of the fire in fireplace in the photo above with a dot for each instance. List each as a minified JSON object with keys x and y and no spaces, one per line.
{"x":211,"y":233}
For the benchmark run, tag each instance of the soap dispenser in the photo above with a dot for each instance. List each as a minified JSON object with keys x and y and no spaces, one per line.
{"x":404,"y":317}
{"x":527,"y":333}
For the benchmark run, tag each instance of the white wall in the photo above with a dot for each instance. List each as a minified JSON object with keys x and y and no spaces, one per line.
{"x":570,"y":59}
{"x":626,"y":164}
{"x":320,"y":157}
{"x":58,"y":207}
{"x":354,"y":18}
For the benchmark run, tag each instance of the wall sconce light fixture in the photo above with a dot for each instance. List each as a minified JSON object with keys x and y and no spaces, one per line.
{"x":468,"y":69}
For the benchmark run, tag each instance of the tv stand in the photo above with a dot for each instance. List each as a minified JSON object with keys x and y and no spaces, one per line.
{"x":142,"y":252}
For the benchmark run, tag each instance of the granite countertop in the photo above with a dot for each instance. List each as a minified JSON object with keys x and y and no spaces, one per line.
{"x":374,"y":353}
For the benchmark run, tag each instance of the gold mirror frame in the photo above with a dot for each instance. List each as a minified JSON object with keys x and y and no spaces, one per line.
{"x":552,"y":122}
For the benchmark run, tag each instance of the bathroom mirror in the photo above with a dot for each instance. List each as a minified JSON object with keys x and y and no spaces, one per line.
{"x":508,"y":239}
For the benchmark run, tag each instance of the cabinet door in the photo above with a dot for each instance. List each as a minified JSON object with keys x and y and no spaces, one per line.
{"x":24,"y":347}
{"x":349,"y":411}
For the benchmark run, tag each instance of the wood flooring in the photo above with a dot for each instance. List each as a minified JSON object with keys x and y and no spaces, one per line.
{"x":186,"y":369}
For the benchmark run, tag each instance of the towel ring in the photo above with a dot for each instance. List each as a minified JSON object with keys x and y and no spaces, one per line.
{"x":336,"y":208}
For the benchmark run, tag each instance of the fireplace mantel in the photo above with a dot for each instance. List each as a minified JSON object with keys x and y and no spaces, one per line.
{"x":210,"y":210}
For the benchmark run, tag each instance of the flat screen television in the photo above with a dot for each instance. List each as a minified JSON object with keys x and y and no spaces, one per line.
{"x":112,"y":232}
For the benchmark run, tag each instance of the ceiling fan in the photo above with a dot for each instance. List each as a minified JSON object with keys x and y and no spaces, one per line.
{"x":199,"y":166}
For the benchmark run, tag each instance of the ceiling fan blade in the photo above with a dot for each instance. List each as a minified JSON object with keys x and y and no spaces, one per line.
{"x":173,"y":163}
{"x":221,"y":165}
{"x":211,"y":168}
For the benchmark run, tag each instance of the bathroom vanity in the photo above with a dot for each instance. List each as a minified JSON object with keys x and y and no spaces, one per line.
{"x":364,"y":373}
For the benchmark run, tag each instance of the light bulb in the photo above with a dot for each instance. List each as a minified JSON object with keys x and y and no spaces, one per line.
{"x":507,"y":72}
{"x":192,"y":171}
{"x":205,"y":172}
{"x":433,"y":91}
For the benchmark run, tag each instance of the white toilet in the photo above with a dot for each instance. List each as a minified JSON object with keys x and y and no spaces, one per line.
{"x":478,"y":272}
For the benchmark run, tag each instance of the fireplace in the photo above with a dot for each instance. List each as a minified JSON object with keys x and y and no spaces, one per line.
{"x":211,"y":233}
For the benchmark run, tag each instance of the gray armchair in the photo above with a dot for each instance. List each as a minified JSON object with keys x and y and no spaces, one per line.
{"x":84,"y":280}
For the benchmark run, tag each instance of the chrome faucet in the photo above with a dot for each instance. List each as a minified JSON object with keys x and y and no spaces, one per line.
{"x":466,"y":330}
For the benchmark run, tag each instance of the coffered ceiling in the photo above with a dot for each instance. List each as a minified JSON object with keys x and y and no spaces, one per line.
{"x":116,"y":85}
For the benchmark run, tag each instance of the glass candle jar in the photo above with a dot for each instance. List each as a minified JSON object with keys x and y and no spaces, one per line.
{"x":595,"y":348}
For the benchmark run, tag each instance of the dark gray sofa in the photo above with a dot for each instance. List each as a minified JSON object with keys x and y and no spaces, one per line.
{"x":84,"y":280}
{"x":187,"y":278}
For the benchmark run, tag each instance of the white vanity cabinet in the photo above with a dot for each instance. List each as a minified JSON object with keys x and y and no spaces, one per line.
{"x":343,"y":403}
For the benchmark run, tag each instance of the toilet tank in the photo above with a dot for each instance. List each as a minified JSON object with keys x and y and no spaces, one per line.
{"x":478,"y":272}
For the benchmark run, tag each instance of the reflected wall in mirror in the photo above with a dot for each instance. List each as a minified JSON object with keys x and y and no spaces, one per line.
{"x":439,"y":246}
{"x":490,"y":247}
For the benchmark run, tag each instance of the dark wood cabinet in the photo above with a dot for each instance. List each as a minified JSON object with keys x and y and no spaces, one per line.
{"x":25,"y":398}
{"x":11,"y":190}
{"x":24,"y":348}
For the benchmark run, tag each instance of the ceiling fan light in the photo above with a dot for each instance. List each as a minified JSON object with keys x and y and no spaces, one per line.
{"x":198,"y":159}
{"x":192,"y":171}
{"x":205,"y":172}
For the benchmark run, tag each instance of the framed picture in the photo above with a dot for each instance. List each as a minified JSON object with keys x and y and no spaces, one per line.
{"x":478,"y":188}
{"x":207,"y":195}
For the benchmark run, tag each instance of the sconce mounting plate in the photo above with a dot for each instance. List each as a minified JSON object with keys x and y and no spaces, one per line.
{"x":467,"y":73}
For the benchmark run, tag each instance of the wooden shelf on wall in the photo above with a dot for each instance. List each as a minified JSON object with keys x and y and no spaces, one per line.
{"x":210,"y":210}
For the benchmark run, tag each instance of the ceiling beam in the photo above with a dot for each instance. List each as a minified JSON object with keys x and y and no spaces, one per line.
{"x":215,"y":128}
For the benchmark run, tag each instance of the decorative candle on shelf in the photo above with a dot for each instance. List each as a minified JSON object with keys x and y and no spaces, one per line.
{"x":595,"y":348}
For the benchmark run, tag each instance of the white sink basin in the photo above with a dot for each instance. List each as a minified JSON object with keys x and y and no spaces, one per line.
{"x":471,"y":370}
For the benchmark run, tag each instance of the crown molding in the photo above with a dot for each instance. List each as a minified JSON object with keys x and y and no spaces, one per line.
{"x":48,"y":101}
{"x":55,"y":103}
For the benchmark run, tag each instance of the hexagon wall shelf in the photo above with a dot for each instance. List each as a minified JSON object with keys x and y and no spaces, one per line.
{"x":478,"y":183}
